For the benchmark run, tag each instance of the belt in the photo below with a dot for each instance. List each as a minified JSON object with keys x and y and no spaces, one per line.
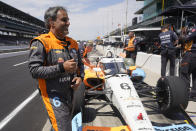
{"x":167,"y":47}
{"x":192,"y":51}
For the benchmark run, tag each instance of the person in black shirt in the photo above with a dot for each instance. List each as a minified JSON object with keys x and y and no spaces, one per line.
{"x":168,"y":40}
{"x":188,"y":64}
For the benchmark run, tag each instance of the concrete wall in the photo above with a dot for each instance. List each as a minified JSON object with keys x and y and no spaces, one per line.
{"x":152,"y":63}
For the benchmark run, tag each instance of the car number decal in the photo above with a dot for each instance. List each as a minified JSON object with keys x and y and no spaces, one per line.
{"x":125,"y":86}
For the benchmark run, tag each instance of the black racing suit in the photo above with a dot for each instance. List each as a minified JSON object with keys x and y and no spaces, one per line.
{"x":46,"y":58}
{"x":188,"y":64}
{"x":168,"y":51}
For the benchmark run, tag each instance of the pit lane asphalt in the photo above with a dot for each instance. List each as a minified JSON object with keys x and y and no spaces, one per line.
{"x":16,"y":85}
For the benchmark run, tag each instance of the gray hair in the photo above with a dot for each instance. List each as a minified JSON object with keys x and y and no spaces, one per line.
{"x":51,"y":13}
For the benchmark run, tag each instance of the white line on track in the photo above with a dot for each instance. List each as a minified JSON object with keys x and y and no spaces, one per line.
{"x":20,"y":63}
{"x":13,"y":52}
{"x":17,"y":110}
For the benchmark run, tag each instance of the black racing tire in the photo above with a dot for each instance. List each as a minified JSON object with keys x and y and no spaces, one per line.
{"x":172,"y":94}
{"x":78,"y":101}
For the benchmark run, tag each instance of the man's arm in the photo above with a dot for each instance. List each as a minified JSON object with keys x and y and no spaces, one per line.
{"x":80,"y":65}
{"x":192,"y":36}
{"x":175,"y":37}
{"x":176,"y":42}
{"x":159,"y":40}
{"x":37,"y":58}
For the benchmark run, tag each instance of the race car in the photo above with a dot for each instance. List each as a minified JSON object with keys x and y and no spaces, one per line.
{"x":123,"y":86}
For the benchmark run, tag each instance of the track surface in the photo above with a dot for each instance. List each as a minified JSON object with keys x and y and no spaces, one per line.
{"x":16,"y":85}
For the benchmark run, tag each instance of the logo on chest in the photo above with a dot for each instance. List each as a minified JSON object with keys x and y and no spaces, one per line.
{"x":60,"y":60}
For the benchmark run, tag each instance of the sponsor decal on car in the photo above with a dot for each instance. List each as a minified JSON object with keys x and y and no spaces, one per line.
{"x":145,"y":129}
{"x":182,"y":127}
{"x":130,"y":106}
{"x":131,"y":98}
{"x":95,"y":128}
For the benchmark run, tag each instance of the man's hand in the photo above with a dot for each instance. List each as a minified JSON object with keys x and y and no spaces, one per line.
{"x":77,"y":81}
{"x":178,"y":46}
{"x":130,"y":48}
{"x":87,"y":63}
{"x":70,"y":66}
{"x":125,"y":48}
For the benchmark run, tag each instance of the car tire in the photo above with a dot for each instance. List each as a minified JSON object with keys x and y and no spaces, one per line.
{"x":172,"y":94}
{"x":78,"y":101}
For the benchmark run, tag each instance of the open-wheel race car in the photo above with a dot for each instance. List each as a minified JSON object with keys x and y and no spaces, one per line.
{"x":123,"y":87}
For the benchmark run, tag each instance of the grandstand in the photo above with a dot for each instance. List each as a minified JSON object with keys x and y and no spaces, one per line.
{"x":17,"y":27}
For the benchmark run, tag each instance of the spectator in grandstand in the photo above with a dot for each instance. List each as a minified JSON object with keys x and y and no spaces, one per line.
{"x":130,"y":47}
{"x":55,"y":61}
{"x":188,"y":64}
{"x":168,"y":40}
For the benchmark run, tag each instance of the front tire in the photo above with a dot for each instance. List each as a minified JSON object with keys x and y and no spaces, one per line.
{"x":172,"y":94}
